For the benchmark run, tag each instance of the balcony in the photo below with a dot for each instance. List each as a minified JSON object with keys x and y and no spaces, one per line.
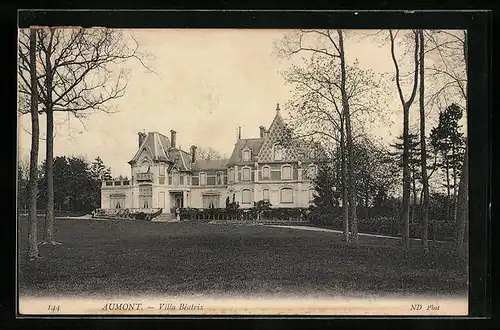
{"x":145,"y":176}
{"x":115,"y":183}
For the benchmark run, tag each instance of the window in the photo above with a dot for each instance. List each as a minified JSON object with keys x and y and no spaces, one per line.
{"x":145,"y":196}
{"x":286,"y":195}
{"x":117,"y":202}
{"x":266,"y":172}
{"x":182,"y":180}
{"x":203,"y":179}
{"x":162,"y":180}
{"x":265,"y":194}
{"x":218,"y":178}
{"x":176,"y":179}
{"x":246,"y":196}
{"x":162,"y":169}
{"x":145,"y":166}
{"x":231,"y":175}
{"x":246,"y":174}
{"x":246,"y":155}
{"x":210,"y":201}
{"x":286,"y":172}
{"x":278,"y":152}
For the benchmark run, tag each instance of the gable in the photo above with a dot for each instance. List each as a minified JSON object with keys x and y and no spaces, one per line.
{"x":144,"y":154}
{"x":254,"y":145}
{"x":154,"y":143}
{"x":276,"y":135}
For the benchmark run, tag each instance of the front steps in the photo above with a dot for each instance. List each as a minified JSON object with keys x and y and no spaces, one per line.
{"x":165,"y":217}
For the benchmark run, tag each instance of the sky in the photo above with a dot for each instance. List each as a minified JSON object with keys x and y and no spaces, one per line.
{"x":206,"y":83}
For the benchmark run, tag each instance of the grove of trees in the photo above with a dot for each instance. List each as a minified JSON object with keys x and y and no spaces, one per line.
{"x":77,"y":184}
{"x":335,"y":99}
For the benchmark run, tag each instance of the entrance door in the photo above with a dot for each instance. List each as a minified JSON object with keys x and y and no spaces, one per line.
{"x":179,"y":201}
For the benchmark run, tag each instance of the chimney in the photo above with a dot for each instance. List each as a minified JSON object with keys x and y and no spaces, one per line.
{"x":239,"y":133}
{"x":173,"y":136}
{"x":262,"y":131}
{"x":142,"y":137}
{"x":193,"y":154}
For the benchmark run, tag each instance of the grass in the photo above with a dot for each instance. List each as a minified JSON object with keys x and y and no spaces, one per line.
{"x":136,"y":257}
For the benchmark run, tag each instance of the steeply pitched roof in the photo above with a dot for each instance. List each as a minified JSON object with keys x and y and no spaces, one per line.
{"x":253,"y":144}
{"x":156,"y":143}
{"x":213,"y":164}
{"x":181,"y":159}
{"x":277,"y":133}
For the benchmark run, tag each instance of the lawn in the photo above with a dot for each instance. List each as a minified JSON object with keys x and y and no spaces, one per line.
{"x":136,"y":257}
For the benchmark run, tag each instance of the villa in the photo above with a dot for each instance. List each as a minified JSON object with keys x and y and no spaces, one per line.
{"x":269,"y":167}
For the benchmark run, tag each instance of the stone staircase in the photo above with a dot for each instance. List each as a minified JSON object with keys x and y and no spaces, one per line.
{"x":165,"y":217}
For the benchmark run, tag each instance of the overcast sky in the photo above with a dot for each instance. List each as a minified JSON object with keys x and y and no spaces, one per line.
{"x":208,"y":83}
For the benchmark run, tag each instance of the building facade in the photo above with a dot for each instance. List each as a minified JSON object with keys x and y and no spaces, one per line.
{"x":271,"y":167}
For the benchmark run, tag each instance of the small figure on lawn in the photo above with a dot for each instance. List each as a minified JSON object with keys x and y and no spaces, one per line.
{"x":178,"y":213}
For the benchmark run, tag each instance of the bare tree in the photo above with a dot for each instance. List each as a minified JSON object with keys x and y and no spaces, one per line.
{"x":329,"y":95}
{"x":406,"y":104}
{"x":82,"y":70}
{"x":349,"y":144}
{"x":449,"y":75}
{"x":33,"y":252}
{"x":208,"y":153}
{"x":463,"y":189}
{"x":332,"y":92}
{"x":423,"y":150}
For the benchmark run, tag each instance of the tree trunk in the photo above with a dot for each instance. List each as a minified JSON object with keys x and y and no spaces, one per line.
{"x":367,"y":198}
{"x":414,"y":191}
{"x":345,"y":214}
{"x":48,"y":235}
{"x":463,"y":206}
{"x":448,"y":193}
{"x":462,"y":235}
{"x":455,"y":188}
{"x":405,"y":212}
{"x":406,"y":179}
{"x":350,"y":163}
{"x":424,"y":200}
{"x":33,"y":252}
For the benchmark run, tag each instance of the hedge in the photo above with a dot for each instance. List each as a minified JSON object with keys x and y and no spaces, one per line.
{"x":297,"y":214}
{"x":387,"y":226}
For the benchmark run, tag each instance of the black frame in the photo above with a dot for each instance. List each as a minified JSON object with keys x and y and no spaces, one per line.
{"x":478,"y":24}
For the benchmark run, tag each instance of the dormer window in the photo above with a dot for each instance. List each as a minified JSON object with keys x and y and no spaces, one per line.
{"x":278,"y":151}
{"x":246,"y":155}
{"x":145,"y":166}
